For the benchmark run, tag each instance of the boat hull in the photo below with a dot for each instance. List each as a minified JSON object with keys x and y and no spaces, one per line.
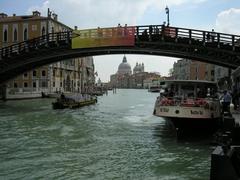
{"x":189,"y":125}
{"x":187,"y":112}
{"x":190,"y":119}
{"x":63,"y":105}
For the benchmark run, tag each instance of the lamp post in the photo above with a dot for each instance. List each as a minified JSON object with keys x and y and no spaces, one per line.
{"x":167,"y":12}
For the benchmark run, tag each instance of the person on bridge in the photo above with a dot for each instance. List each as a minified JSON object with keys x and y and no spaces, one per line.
{"x":163,"y":30}
{"x":208,"y":37}
{"x":213,"y":35}
{"x":99,"y":32}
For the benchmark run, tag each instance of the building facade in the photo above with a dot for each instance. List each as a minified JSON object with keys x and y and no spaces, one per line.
{"x":65,"y":76}
{"x":125,"y":79}
{"x":181,"y":69}
{"x":139,"y":68}
{"x":185,"y":69}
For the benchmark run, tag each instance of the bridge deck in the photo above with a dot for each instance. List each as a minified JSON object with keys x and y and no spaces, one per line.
{"x":206,"y":46}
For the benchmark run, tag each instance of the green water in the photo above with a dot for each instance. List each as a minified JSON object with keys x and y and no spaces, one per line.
{"x":118,"y":138}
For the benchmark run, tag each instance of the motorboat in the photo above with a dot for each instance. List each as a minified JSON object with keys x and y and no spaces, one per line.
{"x":74,"y":101}
{"x":189,"y":104}
{"x":154,"y":88}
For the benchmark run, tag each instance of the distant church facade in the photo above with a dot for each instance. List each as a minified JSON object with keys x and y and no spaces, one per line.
{"x":126,"y":78}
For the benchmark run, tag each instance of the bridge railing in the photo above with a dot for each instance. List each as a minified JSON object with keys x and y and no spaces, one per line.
{"x":206,"y":38}
{"x":148,"y":33}
{"x":51,"y":39}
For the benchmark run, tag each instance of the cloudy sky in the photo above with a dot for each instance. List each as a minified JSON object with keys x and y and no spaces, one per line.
{"x":221,"y":15}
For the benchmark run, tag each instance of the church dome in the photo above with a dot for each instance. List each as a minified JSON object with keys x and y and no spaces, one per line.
{"x":124,"y":67}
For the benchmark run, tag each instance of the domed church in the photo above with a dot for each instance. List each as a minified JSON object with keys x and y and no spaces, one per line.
{"x":124,"y":67}
{"x":139,"y":68}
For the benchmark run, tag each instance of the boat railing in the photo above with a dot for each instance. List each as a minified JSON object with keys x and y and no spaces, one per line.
{"x":187,"y":102}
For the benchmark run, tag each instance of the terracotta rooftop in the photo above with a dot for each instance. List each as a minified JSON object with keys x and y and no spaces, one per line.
{"x":4,"y":18}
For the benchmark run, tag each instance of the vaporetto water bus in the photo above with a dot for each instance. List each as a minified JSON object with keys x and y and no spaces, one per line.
{"x":189,"y":104}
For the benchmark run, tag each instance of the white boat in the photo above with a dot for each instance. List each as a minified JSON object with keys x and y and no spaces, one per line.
{"x":189,"y":104}
{"x":154,"y":88}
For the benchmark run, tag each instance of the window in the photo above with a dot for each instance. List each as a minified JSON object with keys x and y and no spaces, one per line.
{"x":43,"y":31}
{"x":34,"y":73}
{"x":15,"y":85}
{"x":212,"y":72}
{"x":53,"y":83}
{"x":5,"y":36}
{"x":15,"y":35}
{"x":34,"y":84}
{"x":44,"y":84}
{"x":25,"y":84}
{"x":25,"y":75}
{"x":219,"y":72}
{"x":60,"y":84}
{"x":43,"y":73}
{"x":34,"y":27}
{"x":25,"y":34}
{"x":54,"y":73}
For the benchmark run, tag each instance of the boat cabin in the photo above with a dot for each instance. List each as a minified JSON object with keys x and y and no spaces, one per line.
{"x":186,"y":89}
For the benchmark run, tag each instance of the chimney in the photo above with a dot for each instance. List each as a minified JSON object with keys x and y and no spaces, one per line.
{"x":36,"y":13}
{"x":14,"y":15}
{"x":55,"y":16}
{"x":3,"y":15}
{"x":75,"y":27}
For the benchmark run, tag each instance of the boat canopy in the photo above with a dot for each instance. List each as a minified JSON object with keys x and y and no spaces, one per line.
{"x":189,"y":88}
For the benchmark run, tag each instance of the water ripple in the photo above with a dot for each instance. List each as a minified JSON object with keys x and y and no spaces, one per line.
{"x":118,"y":138}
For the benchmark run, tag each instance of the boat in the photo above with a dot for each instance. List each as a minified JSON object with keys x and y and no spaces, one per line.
{"x":154,"y":88}
{"x":74,"y":101}
{"x":189,"y":104}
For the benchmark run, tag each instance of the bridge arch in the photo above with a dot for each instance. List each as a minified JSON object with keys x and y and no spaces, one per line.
{"x":149,"y":40}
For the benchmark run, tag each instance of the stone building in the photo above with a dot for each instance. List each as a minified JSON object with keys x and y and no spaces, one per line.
{"x":124,"y":68}
{"x":221,"y":72}
{"x":125,"y":79}
{"x":121,"y":78}
{"x":193,"y":70}
{"x":181,"y":69}
{"x":138,"y":68}
{"x":201,"y":71}
{"x":62,"y":76}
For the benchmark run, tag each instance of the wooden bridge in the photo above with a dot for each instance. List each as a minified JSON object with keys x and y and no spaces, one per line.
{"x":207,"y":46}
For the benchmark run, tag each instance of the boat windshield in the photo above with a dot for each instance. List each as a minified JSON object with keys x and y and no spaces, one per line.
{"x":189,"y":89}
{"x":154,"y":87}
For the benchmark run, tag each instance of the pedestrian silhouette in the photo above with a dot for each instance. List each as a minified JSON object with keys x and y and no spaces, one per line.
{"x":213,"y":35}
{"x":208,"y":37}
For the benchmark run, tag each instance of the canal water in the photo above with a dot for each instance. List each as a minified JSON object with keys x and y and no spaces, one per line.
{"x":118,"y":138}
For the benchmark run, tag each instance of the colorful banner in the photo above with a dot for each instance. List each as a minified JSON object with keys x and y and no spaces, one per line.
{"x":169,"y":31}
{"x":116,"y":36}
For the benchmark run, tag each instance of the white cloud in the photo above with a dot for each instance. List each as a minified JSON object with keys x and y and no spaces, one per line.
{"x":228,"y":21}
{"x":43,"y":8}
{"x":107,"y":13}
{"x":93,"y":13}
